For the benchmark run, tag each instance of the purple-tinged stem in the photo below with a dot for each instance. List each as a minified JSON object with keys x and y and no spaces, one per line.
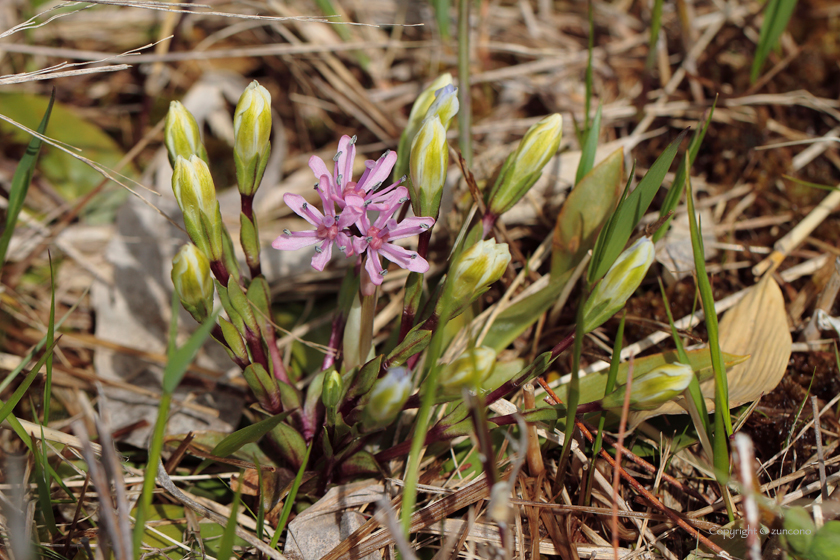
{"x":336,"y":334}
{"x":487,"y":223}
{"x":220,"y":271}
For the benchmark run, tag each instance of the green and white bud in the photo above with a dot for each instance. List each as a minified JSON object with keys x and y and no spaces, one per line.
{"x":192,"y":281}
{"x":252,"y":132}
{"x":468,"y":370}
{"x":523,"y":167}
{"x":196,"y":195}
{"x":415,"y":121}
{"x":331,"y":389}
{"x":652,"y":389}
{"x":445,"y":105}
{"x":181,"y":134}
{"x":387,"y":397}
{"x":428,"y":164}
{"x":621,"y":280}
{"x":471,"y":275}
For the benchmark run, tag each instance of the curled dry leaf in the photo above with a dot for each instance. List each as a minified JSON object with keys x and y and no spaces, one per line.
{"x":756,"y":326}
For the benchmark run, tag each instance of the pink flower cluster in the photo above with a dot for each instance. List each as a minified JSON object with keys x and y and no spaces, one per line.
{"x":347,"y":221}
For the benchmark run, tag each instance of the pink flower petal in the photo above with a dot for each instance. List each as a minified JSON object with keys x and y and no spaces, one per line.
{"x":322,"y":255}
{"x":404,"y":258}
{"x":318,"y":166}
{"x":374,"y":268}
{"x":345,"y":244}
{"x":346,"y":151}
{"x":303,"y":209}
{"x":409,"y":227}
{"x":352,"y":211}
{"x":293,"y":241}
{"x":381,"y":170}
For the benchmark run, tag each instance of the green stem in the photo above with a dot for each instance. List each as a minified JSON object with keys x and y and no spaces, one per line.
{"x":424,"y":415}
{"x":464,"y":113}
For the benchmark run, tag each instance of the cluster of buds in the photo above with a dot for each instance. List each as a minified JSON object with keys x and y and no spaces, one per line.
{"x":621,"y":280}
{"x":346,"y":222}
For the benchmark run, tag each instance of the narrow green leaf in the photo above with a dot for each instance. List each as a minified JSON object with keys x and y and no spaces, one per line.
{"x":290,"y":498}
{"x":42,"y":482}
{"x":20,"y":182}
{"x":723,"y":420}
{"x":808,"y":184}
{"x":229,"y":535}
{"x":249,"y":434}
{"x":672,"y":198}
{"x":590,"y":146}
{"x":155,"y":447}
{"x":629,"y":213}
{"x":10,"y":404}
{"x":590,"y":46}
{"x":50,"y":341}
{"x":181,"y":358}
{"x":776,"y":17}
{"x":655,"y":27}
{"x":260,"y":500}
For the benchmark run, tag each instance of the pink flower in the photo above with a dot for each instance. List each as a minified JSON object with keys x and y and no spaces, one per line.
{"x":377,"y":235}
{"x":355,"y":199}
{"x":329,"y":228}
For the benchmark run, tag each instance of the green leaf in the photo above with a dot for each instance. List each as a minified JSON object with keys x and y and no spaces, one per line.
{"x":826,"y":542}
{"x":290,"y":498}
{"x":10,"y":404}
{"x":249,"y":434}
{"x":614,"y":236}
{"x":229,"y":536}
{"x":290,"y":443}
{"x":21,"y":181}
{"x":672,"y":198}
{"x":723,"y":420}
{"x":776,"y":17}
{"x":584,"y":213}
{"x":655,"y":26}
{"x":71,"y":178}
{"x":590,"y":146}
{"x":181,"y":358}
{"x":513,"y":321}
{"x":593,"y":386}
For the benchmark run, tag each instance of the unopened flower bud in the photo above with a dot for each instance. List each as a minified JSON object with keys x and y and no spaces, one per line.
{"x":192,"y":281}
{"x":523,"y":167}
{"x":181,"y":134}
{"x":252,"y":132}
{"x":468,"y":370}
{"x":264,"y":387}
{"x":387,"y":397}
{"x":331,"y":389}
{"x":196,"y":195}
{"x":472,"y":273}
{"x":621,"y":280}
{"x":428,"y":164}
{"x":653,"y":388}
{"x":415,"y":121}
{"x":445,"y":105}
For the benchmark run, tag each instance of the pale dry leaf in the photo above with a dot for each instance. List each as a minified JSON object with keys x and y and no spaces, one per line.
{"x":756,"y":326}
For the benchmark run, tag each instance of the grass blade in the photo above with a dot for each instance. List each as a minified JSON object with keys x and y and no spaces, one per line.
{"x":590,"y":146}
{"x":614,"y":236}
{"x":20,"y":182}
{"x":290,"y":499}
{"x":776,"y":17}
{"x":10,"y":404}
{"x":723,"y":421}
{"x":229,"y":535}
{"x":672,"y":198}
{"x":181,"y":358}
{"x":655,"y":27}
